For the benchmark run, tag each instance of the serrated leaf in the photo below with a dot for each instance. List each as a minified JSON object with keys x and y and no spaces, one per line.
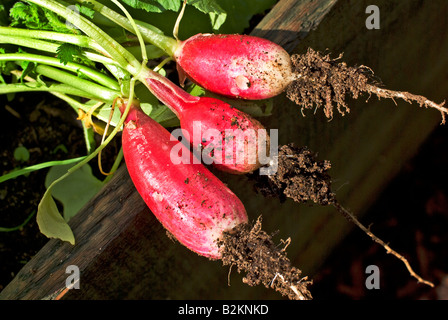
{"x":33,"y":16}
{"x":25,"y":14}
{"x":50,"y":221}
{"x":66,"y":52}
{"x":86,"y":9}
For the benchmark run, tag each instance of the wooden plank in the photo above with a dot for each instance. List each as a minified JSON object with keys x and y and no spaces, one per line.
{"x":290,"y":21}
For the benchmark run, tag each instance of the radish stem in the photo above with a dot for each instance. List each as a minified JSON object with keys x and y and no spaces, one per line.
{"x":79,"y":40}
{"x":89,"y":87}
{"x":149,"y":32}
{"x":109,"y":45}
{"x":52,"y":47}
{"x":93,"y":74}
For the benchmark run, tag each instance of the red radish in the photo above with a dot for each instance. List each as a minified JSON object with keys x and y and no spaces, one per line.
{"x":232,"y":140}
{"x":235,"y":65}
{"x":189,"y":201}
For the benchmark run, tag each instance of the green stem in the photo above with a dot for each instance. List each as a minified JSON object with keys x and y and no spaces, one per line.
{"x":2,"y":229}
{"x":149,"y":33}
{"x":79,"y":40}
{"x":37,"y":87}
{"x":51,"y":47}
{"x":109,"y":45}
{"x":104,"y":144}
{"x":17,"y":173}
{"x":93,"y":74}
{"x":89,"y":87}
{"x":134,"y":27}
{"x":115,"y":166}
{"x":76,"y":105}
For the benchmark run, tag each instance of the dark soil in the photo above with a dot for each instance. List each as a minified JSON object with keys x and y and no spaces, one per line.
{"x":48,"y":128}
{"x":299,"y":176}
{"x":41,"y":127}
{"x":252,"y":251}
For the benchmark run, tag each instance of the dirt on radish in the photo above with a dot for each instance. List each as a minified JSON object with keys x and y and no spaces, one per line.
{"x":299,"y":176}
{"x":254,"y":252}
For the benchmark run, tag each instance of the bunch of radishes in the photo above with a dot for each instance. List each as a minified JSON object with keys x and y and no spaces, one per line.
{"x":191,"y":202}
{"x":187,"y":198}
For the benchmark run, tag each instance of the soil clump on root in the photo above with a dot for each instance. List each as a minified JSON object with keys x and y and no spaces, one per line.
{"x":253,"y":251}
{"x":299,"y":176}
{"x":323,"y":82}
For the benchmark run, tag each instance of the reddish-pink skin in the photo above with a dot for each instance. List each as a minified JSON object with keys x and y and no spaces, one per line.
{"x":189,"y":201}
{"x":215,"y":114}
{"x":234,"y":65}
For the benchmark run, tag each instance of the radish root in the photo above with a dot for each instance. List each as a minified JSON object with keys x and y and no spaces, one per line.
{"x":302,"y":178}
{"x":252,"y":251}
{"x":321,"y":81}
{"x":350,"y":217}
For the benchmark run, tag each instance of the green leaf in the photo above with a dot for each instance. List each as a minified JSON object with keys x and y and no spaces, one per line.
{"x":75,"y":190}
{"x":211,"y":7}
{"x":24,"y":14}
{"x":6,"y":67}
{"x":196,"y":90}
{"x":154,"y":5}
{"x":32,"y":16}
{"x":55,"y":23}
{"x":27,"y":67}
{"x":21,"y":154}
{"x":50,"y":221}
{"x":86,"y":10}
{"x":67,"y":51}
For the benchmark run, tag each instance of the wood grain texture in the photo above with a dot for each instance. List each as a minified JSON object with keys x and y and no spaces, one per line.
{"x":290,"y":21}
{"x":124,"y":253}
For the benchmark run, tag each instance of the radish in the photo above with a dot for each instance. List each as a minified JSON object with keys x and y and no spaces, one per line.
{"x":189,"y":201}
{"x":228,"y":138}
{"x":235,"y":65}
{"x":249,"y":67}
{"x":200,"y":211}
{"x":254,"y":68}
